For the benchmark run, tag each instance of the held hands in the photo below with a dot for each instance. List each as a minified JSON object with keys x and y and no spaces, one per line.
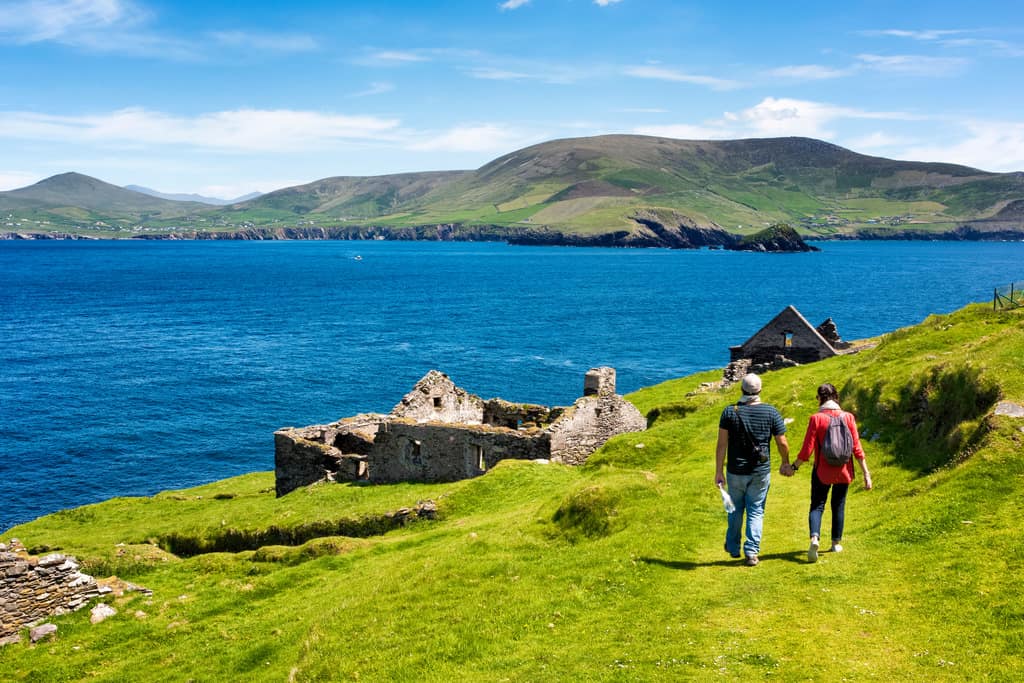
{"x":787,"y":470}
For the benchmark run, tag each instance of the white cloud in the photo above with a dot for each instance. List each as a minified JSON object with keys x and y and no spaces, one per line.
{"x":398,"y":57}
{"x":675,"y":76}
{"x":875,"y":141}
{"x":495,"y":74}
{"x":684,"y":131}
{"x":513,"y":4}
{"x":376,"y":88}
{"x":605,"y":3}
{"x":238,"y":130}
{"x":925,"y":35}
{"x":774,"y":117}
{"x":809,"y":72}
{"x":642,"y":110}
{"x":477,"y":138}
{"x":12,"y":180}
{"x":990,"y":145}
{"x":913,"y":65}
{"x":32,"y":21}
{"x":266,"y":41}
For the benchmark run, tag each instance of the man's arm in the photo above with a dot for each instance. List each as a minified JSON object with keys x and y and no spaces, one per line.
{"x":720,"y":449}
{"x":783,"y":446}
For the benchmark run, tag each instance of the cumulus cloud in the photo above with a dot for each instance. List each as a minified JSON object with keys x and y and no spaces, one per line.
{"x":238,"y":130}
{"x":990,"y":145}
{"x":774,"y":117}
{"x":673,"y":75}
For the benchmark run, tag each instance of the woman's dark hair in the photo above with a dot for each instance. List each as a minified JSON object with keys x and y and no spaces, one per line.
{"x":827,"y":392}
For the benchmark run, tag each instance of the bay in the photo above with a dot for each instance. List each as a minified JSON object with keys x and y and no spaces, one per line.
{"x":132,"y":367}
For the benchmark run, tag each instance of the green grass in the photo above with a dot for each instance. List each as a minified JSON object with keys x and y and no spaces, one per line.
{"x":609,"y":572}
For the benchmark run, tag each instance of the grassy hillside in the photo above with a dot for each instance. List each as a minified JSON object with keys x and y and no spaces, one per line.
{"x":614,"y":571}
{"x":584,"y":186}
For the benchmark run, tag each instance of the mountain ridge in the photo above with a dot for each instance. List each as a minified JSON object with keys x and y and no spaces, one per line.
{"x":591,"y":188}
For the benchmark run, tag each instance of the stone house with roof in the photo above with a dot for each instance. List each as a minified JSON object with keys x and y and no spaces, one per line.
{"x":787,"y":339}
{"x":440,"y":432}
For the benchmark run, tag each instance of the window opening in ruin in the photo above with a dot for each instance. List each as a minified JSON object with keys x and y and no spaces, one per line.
{"x":788,"y":340}
{"x":481,"y":464}
{"x":597,"y":412}
{"x":437,"y":403}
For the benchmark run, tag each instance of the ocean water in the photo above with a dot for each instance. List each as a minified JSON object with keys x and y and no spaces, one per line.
{"x":133,"y":367}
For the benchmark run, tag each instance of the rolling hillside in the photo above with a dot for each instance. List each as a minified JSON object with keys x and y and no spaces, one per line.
{"x":588,"y":187}
{"x":610,"y":572}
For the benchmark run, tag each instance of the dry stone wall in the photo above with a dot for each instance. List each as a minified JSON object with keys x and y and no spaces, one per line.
{"x":440,"y":452}
{"x":589,"y":424}
{"x":34,"y":588}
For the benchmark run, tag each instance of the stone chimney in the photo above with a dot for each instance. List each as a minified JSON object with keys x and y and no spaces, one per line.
{"x":599,"y":382}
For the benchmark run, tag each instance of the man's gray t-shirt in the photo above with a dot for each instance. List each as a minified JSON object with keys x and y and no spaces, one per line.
{"x":762,"y":422}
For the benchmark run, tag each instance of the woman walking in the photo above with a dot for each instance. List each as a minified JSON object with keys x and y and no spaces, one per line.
{"x":828,"y":475}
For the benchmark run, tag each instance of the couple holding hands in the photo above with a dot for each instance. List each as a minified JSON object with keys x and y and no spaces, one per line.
{"x":743,"y":467}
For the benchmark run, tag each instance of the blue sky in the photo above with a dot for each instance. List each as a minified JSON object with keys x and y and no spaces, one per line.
{"x":225,"y":98}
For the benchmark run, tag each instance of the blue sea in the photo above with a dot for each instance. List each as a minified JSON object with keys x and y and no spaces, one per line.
{"x":133,"y":367}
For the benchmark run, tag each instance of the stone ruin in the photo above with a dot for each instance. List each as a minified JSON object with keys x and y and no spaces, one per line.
{"x":440,"y":432}
{"x":33,"y":588}
{"x":786,"y":341}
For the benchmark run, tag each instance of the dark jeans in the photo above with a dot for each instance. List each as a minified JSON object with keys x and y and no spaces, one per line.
{"x":819,"y":494}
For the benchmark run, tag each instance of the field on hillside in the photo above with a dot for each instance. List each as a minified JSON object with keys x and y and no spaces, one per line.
{"x":610,"y":572}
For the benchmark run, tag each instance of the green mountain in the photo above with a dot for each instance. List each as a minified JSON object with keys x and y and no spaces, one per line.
{"x":596,"y":187}
{"x":73,"y":200}
{"x":613,"y":571}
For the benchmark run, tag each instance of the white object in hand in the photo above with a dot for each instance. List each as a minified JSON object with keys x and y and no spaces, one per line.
{"x":726,"y":499}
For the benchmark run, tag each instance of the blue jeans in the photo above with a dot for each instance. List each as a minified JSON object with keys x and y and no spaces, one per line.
{"x":749,"y":493}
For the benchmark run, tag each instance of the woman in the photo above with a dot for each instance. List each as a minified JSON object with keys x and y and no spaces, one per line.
{"x":826,"y":476}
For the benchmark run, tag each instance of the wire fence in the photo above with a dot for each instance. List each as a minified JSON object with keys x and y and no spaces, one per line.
{"x":1010,"y":296}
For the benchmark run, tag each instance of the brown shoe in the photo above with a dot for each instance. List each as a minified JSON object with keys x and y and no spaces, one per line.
{"x":752,"y":560}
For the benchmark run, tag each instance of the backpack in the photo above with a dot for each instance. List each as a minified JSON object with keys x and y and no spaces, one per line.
{"x":837,"y":446}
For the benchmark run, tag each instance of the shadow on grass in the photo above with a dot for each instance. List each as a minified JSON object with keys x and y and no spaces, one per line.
{"x":796,"y":557}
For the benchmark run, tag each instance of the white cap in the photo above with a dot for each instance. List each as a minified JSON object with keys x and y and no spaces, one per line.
{"x":751,"y":384}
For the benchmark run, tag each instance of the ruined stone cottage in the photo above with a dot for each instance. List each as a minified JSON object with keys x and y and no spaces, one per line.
{"x":440,"y":432}
{"x":788,"y":339}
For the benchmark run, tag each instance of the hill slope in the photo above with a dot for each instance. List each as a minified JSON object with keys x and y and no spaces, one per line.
{"x":73,"y":200}
{"x":614,"y":571}
{"x":595,"y":188}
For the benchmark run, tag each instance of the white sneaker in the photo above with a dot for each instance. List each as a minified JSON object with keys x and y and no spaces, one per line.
{"x":836,"y":548}
{"x":812,"y":551}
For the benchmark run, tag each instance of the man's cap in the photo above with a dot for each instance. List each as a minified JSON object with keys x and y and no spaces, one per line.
{"x":751,"y":384}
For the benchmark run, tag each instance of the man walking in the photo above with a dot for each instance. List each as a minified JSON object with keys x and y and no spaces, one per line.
{"x":745,"y":431}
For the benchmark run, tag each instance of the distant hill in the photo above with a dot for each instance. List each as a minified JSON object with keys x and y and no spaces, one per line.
{"x":610,"y":189}
{"x":213,"y":201}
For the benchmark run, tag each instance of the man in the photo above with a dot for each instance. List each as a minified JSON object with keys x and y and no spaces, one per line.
{"x":745,"y":431}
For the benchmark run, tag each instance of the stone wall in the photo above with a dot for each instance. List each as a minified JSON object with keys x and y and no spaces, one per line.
{"x":435,"y":398}
{"x":591,"y":421}
{"x":34,"y":588}
{"x":440,"y":452}
{"x":333,"y":452}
